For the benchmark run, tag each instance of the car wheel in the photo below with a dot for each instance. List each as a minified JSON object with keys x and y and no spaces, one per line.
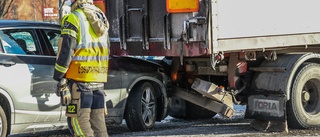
{"x":304,"y":104}
{"x":3,"y":123}
{"x":141,"y":107}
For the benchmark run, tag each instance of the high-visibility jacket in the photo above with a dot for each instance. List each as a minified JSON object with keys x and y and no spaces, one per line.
{"x":89,"y":62}
{"x":60,"y":39}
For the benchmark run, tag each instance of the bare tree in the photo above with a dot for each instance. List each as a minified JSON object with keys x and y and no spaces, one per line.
{"x":4,"y":7}
{"x":37,"y":8}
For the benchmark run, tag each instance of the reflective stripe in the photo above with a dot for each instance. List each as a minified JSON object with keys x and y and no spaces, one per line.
{"x":61,"y":69}
{"x":87,"y":45}
{"x":95,"y":85}
{"x":83,"y":28}
{"x":90,"y":58}
{"x":76,"y":127}
{"x":91,"y":45}
{"x":69,"y":32}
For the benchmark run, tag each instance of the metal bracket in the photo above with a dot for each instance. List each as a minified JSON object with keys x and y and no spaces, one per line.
{"x":167,"y":32}
{"x":215,"y":58}
{"x":145,"y":25}
{"x":122,"y":32}
{"x":205,"y":101}
{"x":145,"y":34}
{"x":272,"y":56}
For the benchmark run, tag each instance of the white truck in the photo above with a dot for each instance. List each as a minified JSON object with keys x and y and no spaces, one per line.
{"x":262,"y":54}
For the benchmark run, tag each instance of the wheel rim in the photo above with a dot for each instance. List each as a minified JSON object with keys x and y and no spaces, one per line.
{"x":148,"y":106}
{"x":310,"y":96}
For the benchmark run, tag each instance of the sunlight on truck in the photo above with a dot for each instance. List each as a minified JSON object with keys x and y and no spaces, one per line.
{"x":262,"y":54}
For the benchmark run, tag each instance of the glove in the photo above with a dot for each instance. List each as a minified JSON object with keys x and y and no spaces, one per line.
{"x":63,"y":92}
{"x":62,"y":86}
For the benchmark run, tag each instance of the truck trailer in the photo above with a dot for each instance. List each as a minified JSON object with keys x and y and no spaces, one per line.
{"x":262,"y":54}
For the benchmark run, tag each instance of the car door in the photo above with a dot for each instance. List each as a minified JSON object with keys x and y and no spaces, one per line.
{"x":34,"y":100}
{"x":114,"y":90}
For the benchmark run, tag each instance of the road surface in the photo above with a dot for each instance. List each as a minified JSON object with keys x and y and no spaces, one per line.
{"x":217,"y":126}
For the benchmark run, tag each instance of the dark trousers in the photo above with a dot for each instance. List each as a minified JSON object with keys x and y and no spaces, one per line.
{"x":87,"y":111}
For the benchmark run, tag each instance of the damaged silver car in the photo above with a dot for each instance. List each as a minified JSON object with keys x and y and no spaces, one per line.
{"x":135,"y":91}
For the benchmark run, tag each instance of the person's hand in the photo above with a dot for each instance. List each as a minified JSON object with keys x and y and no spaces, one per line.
{"x":62,"y":86}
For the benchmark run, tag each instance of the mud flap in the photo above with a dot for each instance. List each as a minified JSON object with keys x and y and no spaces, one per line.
{"x":268,"y":112}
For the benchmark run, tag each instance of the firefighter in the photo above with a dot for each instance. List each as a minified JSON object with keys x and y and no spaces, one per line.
{"x":82,"y":66}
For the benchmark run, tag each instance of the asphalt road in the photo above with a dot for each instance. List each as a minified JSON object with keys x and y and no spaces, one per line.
{"x":172,"y":127}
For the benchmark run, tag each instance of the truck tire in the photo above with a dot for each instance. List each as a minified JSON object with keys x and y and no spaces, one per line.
{"x":3,"y":123}
{"x":141,"y":108}
{"x":197,"y":112}
{"x":303,"y":108}
{"x":179,"y":108}
{"x":176,"y":107}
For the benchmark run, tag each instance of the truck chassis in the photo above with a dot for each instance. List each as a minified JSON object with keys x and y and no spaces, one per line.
{"x":261,"y":57}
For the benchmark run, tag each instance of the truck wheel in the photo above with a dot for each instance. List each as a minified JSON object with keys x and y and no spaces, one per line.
{"x":197,"y":112}
{"x":182,"y":109}
{"x":177,"y":107}
{"x":304,"y":105}
{"x":3,"y":123}
{"x":141,"y":107}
